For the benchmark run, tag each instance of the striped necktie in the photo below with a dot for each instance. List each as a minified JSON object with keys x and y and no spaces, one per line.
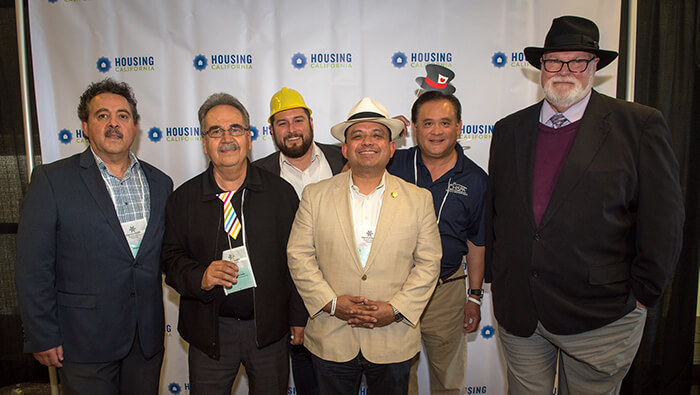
{"x":231,"y":224}
{"x":558,"y":120}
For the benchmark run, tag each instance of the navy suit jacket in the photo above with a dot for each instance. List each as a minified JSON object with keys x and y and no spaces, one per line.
{"x":78,"y":284}
{"x":333,"y":155}
{"x":611,"y":233}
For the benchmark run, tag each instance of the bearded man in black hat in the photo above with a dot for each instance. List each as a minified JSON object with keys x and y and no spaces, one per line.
{"x":583,"y":219}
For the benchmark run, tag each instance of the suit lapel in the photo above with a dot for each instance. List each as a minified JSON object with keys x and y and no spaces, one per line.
{"x":341,"y":201}
{"x":525,"y":143}
{"x":589,"y":138}
{"x":94,"y":182}
{"x":387,"y":213}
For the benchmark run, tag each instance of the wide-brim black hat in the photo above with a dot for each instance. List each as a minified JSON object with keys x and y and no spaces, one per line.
{"x":571,"y":33}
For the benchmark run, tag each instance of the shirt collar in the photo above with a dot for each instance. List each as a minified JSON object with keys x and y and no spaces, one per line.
{"x":355,"y":189}
{"x":315,"y":155}
{"x":573,"y":113}
{"x":457,"y":168}
{"x":252,"y":181}
{"x":133,"y":163}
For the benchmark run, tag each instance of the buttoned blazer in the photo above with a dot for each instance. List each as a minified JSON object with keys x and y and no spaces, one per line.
{"x":78,"y":284}
{"x":402,"y":267}
{"x":333,"y":155}
{"x":611,"y":233}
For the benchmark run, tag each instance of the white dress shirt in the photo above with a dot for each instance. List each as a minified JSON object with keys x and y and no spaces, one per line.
{"x":318,"y":170}
{"x":365,"y":214}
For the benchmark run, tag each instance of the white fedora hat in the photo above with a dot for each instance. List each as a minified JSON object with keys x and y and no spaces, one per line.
{"x":368,"y":110}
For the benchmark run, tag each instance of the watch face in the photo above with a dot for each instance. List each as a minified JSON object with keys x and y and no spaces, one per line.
{"x":476,"y":292}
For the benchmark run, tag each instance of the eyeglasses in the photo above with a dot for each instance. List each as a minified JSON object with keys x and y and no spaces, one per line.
{"x":574,"y":65}
{"x":216,"y":132}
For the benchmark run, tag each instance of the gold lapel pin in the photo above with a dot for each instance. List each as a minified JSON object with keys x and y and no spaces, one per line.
{"x":394,"y":195}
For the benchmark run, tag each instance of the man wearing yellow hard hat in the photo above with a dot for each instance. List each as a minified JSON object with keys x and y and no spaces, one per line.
{"x":300,"y":161}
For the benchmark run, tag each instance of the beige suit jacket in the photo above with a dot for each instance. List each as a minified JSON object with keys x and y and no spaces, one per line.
{"x":402,"y":268}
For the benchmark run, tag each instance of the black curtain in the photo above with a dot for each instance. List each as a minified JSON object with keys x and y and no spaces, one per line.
{"x":668,"y":78}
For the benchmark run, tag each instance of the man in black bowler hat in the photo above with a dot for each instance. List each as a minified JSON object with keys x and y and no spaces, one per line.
{"x":583,"y":222}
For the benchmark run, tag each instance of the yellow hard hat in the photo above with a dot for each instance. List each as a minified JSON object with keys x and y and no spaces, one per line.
{"x":284,"y":100}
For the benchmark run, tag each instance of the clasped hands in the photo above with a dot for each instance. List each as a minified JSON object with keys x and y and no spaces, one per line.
{"x":361,"y":312}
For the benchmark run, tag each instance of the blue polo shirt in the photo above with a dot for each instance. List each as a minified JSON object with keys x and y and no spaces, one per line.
{"x":458,"y":198}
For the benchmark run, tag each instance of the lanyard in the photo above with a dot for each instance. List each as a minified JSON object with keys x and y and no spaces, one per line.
{"x":415,"y":181}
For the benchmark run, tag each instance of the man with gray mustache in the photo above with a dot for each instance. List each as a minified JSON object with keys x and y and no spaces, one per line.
{"x":224,"y":251}
{"x":584,"y":221}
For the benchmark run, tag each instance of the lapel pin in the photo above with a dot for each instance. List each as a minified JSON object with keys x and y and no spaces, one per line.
{"x":394,"y":195}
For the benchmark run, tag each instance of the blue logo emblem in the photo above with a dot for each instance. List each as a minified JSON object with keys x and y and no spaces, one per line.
{"x":65,"y":136}
{"x":174,"y":388}
{"x":52,"y":1}
{"x":399,"y":60}
{"x":254,"y":133}
{"x":299,"y":60}
{"x":155,"y":134}
{"x":499,"y":59}
{"x":487,"y":332}
{"x":200,"y":62}
{"x":103,"y":64}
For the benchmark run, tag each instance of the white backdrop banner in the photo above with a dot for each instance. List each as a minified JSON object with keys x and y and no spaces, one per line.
{"x":175,"y":53}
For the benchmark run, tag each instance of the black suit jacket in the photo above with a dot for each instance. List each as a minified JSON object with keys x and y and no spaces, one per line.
{"x":333,"y":155}
{"x":78,"y":284}
{"x":611,"y":234}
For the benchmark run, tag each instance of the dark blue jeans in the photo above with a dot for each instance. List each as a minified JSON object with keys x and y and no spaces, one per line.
{"x":343,"y":378}
{"x":303,"y":371}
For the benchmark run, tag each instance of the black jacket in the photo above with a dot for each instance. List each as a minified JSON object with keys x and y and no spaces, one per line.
{"x":610,"y":235}
{"x":194,"y":237}
{"x":333,"y":155}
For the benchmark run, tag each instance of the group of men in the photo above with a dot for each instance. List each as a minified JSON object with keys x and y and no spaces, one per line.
{"x":347,"y":257}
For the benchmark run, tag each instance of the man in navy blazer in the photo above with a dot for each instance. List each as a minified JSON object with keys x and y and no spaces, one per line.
{"x":88,"y":251}
{"x":584,"y":222}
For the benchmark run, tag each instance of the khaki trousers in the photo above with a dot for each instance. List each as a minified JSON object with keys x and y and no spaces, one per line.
{"x":444,"y":342}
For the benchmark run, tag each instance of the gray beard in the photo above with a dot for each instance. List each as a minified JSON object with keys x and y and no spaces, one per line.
{"x":568,"y":99}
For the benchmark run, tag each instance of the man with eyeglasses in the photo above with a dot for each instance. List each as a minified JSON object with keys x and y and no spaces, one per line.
{"x":584,"y":222}
{"x":224,"y":251}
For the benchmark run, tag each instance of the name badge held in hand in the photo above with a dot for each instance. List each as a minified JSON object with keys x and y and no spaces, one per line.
{"x":246,"y":278}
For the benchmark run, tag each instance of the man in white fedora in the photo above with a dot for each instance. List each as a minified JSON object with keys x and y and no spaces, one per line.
{"x":364,"y":253}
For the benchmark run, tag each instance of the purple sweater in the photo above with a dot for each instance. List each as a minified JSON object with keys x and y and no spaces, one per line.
{"x":552,"y":148}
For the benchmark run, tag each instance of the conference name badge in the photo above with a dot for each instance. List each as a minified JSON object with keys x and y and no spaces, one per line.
{"x":246,"y":278}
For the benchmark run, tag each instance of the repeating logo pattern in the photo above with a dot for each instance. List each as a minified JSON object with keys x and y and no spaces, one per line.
{"x":155,"y":134}
{"x":499,"y":59}
{"x":65,"y":136}
{"x":200,"y":62}
{"x":399,"y":59}
{"x":103,"y":64}
{"x":299,"y":60}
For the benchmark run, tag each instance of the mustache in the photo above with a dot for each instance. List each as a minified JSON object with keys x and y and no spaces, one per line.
{"x":294,"y":135}
{"x":228,"y":146}
{"x":559,"y":78}
{"x":113,"y":131}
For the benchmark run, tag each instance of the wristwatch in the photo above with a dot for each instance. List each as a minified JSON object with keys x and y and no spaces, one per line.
{"x":477,"y":292}
{"x":397,"y":315}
